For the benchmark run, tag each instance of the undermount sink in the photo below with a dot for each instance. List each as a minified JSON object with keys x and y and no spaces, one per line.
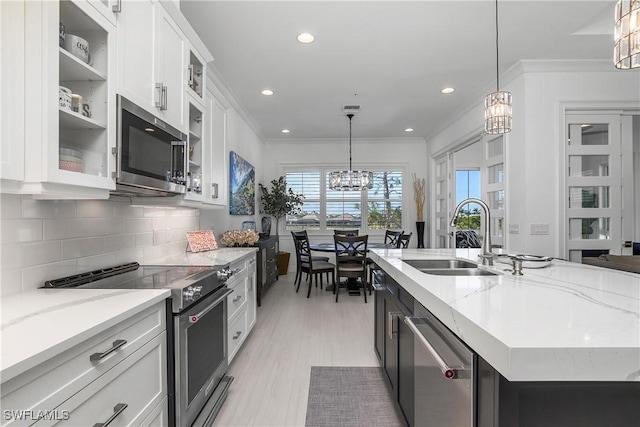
{"x":458,"y":272}
{"x":448,"y":267}
{"x":439,"y":263}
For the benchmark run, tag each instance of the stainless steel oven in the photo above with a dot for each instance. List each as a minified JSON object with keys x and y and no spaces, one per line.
{"x":201,"y":359}
{"x":196,"y":331}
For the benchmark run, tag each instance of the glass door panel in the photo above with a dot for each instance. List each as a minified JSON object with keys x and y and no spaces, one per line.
{"x":592,"y":170}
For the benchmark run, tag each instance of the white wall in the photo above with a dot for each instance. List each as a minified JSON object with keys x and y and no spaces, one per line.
{"x":408,"y":153}
{"x":50,"y":239}
{"x":533,"y":147}
{"x":242,"y":140}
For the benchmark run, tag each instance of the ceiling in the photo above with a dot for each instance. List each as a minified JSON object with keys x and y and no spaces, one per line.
{"x":390,"y":57}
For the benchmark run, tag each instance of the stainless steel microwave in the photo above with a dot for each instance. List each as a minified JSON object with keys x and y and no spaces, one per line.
{"x":151,"y":155}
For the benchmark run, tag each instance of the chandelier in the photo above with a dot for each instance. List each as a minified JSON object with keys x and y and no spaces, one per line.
{"x":497,"y":105}
{"x":350,"y":180}
{"x":626,"y":54}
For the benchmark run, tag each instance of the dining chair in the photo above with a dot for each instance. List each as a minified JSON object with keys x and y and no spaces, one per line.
{"x":403,"y":241}
{"x":342,"y":232}
{"x":391,"y":237}
{"x":351,"y":260}
{"x":300,"y":260}
{"x":314,"y":269}
{"x":467,"y":239}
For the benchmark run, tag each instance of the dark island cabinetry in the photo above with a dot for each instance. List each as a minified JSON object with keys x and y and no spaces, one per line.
{"x":267,"y":260}
{"x":437,"y":380}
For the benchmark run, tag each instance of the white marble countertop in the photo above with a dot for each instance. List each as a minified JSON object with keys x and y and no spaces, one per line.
{"x":219,"y":256}
{"x":40,"y":324}
{"x":565,"y":322}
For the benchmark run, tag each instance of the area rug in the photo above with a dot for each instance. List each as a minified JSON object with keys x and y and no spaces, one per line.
{"x":350,"y":396}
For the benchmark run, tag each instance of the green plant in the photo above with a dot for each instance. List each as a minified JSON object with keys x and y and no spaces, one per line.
{"x":279,"y":201}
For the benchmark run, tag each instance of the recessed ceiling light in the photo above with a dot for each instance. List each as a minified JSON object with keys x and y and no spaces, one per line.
{"x":448,"y":90}
{"x":285,"y":131}
{"x":267,"y":92}
{"x":408,"y":130}
{"x":306,"y":38}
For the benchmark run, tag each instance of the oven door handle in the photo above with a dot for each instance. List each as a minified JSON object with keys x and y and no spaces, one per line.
{"x":193,"y":318}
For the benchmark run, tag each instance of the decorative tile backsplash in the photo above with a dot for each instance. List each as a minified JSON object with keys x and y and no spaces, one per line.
{"x":47,"y":239}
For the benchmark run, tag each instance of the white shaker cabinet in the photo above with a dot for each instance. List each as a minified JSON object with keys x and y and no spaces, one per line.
{"x":252,"y":304}
{"x":55,"y":151}
{"x":216,"y":160}
{"x":152,"y":60}
{"x":241,"y":303}
{"x":120,"y":372}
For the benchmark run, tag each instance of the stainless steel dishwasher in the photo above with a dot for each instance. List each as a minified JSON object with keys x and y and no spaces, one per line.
{"x":444,"y":374}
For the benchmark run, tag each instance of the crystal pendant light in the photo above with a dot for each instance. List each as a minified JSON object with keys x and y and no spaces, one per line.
{"x":350,"y":180}
{"x":626,"y":54}
{"x":497,"y":105}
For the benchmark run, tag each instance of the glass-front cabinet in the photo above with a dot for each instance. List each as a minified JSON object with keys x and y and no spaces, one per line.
{"x":66,"y":130}
{"x":85,"y":89}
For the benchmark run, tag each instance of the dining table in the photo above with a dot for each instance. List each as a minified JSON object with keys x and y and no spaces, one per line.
{"x":331,"y":247}
{"x":352,"y":285}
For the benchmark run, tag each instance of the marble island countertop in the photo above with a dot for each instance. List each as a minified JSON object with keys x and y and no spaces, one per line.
{"x":564,"y":322}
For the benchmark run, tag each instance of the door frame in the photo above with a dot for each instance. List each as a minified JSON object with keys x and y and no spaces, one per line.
{"x":621,"y":109}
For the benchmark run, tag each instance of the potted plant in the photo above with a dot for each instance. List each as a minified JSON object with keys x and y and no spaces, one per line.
{"x":279,"y":201}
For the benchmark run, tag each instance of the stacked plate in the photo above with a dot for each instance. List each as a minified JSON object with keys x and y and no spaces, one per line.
{"x":71,"y":159}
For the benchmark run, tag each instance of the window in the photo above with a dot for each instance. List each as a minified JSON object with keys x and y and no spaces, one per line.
{"x":324,"y":209}
{"x":467,"y":186}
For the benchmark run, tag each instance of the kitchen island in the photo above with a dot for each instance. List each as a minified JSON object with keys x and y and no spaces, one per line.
{"x":560,"y":341}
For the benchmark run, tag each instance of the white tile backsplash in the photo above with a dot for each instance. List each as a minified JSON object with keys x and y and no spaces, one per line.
{"x":78,"y":248}
{"x":47,"y":208}
{"x":49,"y":239}
{"x":21,"y":230}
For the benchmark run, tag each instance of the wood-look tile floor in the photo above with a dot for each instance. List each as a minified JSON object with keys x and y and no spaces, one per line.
{"x":293,"y":333}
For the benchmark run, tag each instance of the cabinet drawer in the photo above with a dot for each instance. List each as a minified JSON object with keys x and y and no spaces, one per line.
{"x":139,"y":382}
{"x":237,"y":299}
{"x":237,"y":333}
{"x":49,"y":384}
{"x":159,"y":417}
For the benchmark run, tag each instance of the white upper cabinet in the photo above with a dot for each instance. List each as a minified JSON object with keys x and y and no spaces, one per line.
{"x":214,"y":150}
{"x":63,"y":62}
{"x":152,"y":60}
{"x":12,"y":101}
{"x":60,"y":116}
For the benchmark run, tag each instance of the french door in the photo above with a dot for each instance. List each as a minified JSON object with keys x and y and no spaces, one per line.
{"x":493,"y":185}
{"x":598,"y":207}
{"x":442,"y":200}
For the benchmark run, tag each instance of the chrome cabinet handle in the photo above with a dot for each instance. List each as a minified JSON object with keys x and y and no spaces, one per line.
{"x":390,"y":329}
{"x":237,"y":335}
{"x":195,"y":317}
{"x":117,"y":410}
{"x":116,"y":345}
{"x":448,"y":372}
{"x":191,"y":75}
{"x":238,"y":298}
{"x":164,"y":97}
{"x":117,"y":8}
{"x":159,"y":87}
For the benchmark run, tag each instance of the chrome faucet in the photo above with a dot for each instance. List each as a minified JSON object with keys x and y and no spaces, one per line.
{"x":487,"y":256}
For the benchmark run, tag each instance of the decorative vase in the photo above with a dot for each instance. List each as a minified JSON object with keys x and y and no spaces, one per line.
{"x":266,"y":226}
{"x":420,"y":229}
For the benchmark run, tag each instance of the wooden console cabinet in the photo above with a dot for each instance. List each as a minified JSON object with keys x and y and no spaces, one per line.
{"x":267,"y":261}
